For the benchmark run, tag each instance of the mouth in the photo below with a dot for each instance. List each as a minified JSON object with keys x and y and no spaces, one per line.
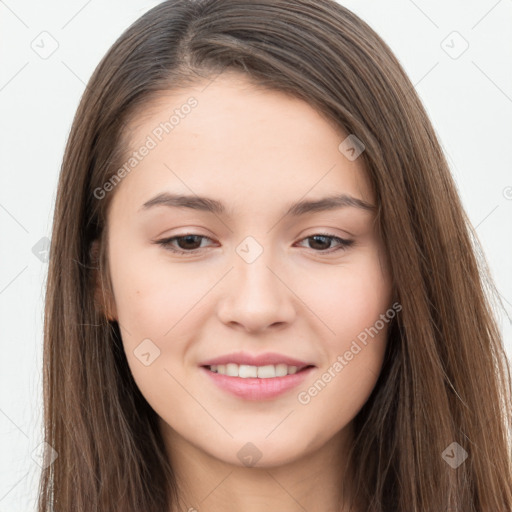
{"x":246,"y":371}
{"x":256,"y":383}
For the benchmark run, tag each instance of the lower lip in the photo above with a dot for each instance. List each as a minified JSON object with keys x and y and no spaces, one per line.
{"x":258,"y":389}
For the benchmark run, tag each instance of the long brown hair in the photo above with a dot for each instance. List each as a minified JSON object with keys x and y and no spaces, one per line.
{"x":445,"y":378}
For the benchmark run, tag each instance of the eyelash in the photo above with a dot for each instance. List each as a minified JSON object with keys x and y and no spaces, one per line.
{"x":166,"y":243}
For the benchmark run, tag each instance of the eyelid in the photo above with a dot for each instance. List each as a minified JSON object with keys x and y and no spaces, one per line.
{"x":343,"y":243}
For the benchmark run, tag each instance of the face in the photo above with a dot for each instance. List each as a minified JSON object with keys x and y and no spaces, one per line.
{"x":245,"y":274}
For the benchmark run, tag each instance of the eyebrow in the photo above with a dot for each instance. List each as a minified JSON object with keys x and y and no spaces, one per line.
{"x":302,"y":207}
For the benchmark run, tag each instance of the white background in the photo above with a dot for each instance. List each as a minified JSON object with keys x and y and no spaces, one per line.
{"x":469,"y":100}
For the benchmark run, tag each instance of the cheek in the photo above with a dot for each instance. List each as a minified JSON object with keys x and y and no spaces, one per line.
{"x":152,"y":305}
{"x":349,"y":299}
{"x":356,"y":308}
{"x":157,"y":307}
{"x":151,"y":296}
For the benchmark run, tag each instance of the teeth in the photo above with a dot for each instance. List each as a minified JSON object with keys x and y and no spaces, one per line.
{"x":245,"y":371}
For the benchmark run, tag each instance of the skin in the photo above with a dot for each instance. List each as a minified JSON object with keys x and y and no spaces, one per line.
{"x":257,"y":151}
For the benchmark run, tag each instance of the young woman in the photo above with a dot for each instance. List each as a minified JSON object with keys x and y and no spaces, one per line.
{"x":264,"y":293}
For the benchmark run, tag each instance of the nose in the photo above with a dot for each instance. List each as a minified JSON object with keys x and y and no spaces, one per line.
{"x":256,"y":296}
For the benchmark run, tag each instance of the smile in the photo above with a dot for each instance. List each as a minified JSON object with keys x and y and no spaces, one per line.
{"x":256,"y":382}
{"x":247,"y":371}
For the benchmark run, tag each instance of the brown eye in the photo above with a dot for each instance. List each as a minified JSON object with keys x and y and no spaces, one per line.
{"x":189,"y":243}
{"x":321,"y":242}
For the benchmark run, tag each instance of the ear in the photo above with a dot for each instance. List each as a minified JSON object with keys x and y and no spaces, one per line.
{"x":103,"y":300}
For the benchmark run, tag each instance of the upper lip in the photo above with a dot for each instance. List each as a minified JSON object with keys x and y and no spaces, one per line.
{"x":256,"y":360}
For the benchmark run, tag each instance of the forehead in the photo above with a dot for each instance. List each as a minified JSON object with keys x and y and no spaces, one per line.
{"x":231,"y":139}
